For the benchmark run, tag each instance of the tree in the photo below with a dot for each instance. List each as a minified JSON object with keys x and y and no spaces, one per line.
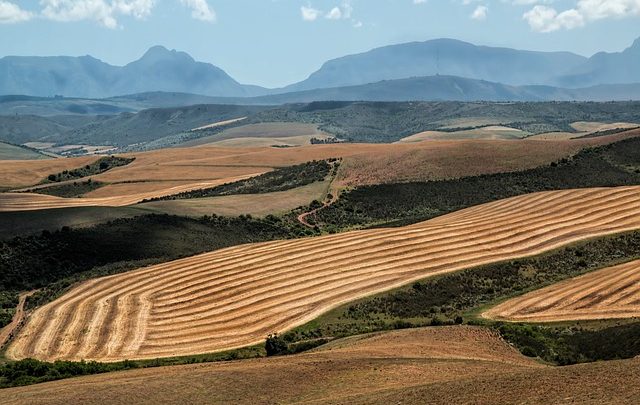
{"x":275,"y":345}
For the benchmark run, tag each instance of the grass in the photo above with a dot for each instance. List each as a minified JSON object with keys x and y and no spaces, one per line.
{"x":398,"y":204}
{"x":16,"y":152}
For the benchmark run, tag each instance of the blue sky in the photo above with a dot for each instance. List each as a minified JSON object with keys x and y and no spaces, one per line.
{"x":277,"y":42}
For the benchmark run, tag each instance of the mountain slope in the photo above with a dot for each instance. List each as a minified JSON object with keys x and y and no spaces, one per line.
{"x":158,"y":70}
{"x":452,"y":88}
{"x":441,"y":56}
{"x":603,"y":68}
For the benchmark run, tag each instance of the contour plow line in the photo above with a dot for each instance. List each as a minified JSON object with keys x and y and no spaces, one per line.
{"x":610,"y":293}
{"x":235,"y":297}
{"x":33,"y":201}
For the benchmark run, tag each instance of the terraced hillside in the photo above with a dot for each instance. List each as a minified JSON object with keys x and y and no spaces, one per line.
{"x":609,"y":293}
{"x":235,"y":297}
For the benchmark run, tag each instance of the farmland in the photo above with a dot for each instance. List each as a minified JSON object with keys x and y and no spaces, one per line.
{"x":432,"y":365}
{"x":604,"y":294}
{"x":217,"y":301}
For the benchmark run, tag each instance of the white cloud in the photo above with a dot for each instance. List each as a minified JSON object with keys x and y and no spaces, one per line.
{"x":102,"y":11}
{"x":480,"y":13}
{"x":200,"y":10}
{"x":338,"y":12}
{"x":105,"y":12}
{"x":309,"y":13}
{"x":334,"y":14}
{"x":419,"y":1}
{"x":547,"y":19}
{"x":12,"y":13}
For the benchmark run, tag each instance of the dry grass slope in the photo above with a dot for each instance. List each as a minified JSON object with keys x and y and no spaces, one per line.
{"x":434,"y":365}
{"x":234,"y":297}
{"x":609,"y":293}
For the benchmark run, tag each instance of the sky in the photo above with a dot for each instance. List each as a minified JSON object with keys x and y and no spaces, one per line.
{"x":273,"y":43}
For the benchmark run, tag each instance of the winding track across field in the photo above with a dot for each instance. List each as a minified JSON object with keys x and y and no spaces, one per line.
{"x":610,"y":293}
{"x":234,"y":297}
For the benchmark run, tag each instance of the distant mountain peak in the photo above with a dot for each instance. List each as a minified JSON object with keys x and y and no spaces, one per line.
{"x":159,"y":53}
{"x":635,"y":47}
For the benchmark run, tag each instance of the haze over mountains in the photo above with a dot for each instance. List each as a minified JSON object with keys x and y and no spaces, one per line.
{"x":441,"y":69}
{"x":157,"y":70}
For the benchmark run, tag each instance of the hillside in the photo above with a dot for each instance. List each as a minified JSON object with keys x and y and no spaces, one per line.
{"x":157,"y":70}
{"x":605,"y":68}
{"x":453,"y":88}
{"x":200,"y":304}
{"x":14,"y":152}
{"x":440,"y":56}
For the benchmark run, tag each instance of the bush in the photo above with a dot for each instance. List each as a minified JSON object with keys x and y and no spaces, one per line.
{"x":275,"y":345}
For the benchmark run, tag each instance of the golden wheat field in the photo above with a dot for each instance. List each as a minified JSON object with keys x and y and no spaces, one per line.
{"x":236,"y":296}
{"x":33,"y":201}
{"x":610,"y":293}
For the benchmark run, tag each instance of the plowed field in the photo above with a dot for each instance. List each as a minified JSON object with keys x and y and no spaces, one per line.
{"x":234,"y":297}
{"x":609,"y":293}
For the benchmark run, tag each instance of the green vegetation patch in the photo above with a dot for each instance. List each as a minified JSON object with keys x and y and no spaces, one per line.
{"x":99,"y":166}
{"x":8,"y":303}
{"x":281,"y":179}
{"x":564,"y":345}
{"x":69,"y":190}
{"x":612,"y":165}
{"x":31,"y":371}
{"x":385,"y":122}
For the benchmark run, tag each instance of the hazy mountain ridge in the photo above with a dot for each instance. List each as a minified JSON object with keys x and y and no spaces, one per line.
{"x":442,"y":69}
{"x":606,"y":68}
{"x":157,"y":70}
{"x":445,"y":57}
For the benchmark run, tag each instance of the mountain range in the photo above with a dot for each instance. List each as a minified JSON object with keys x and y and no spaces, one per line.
{"x":159,"y":69}
{"x":441,"y":69}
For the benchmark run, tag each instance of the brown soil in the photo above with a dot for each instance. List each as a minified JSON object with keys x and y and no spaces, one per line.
{"x":447,"y":365}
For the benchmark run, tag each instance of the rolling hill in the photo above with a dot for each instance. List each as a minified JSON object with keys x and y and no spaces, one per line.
{"x":234,"y":297}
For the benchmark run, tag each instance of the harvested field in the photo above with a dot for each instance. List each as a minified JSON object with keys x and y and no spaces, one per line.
{"x":234,"y":297}
{"x":220,"y":124}
{"x":363,"y":164}
{"x":234,"y":205}
{"x":32,"y":201}
{"x":267,"y":130}
{"x":590,"y":127}
{"x":434,"y":365}
{"x":24,"y":173}
{"x":436,"y":160}
{"x":252,"y":142}
{"x":490,"y":132}
{"x":609,"y":293}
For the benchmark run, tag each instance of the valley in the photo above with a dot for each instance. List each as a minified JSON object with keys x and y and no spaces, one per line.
{"x":423,"y":222}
